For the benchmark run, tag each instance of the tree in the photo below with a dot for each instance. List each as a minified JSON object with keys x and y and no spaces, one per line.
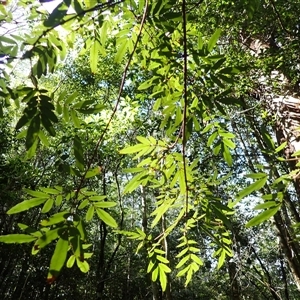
{"x":143,"y":124}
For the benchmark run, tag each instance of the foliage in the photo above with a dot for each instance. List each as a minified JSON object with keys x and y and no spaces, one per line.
{"x":130,"y":118}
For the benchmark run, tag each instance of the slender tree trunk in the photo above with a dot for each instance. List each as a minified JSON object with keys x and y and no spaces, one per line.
{"x":156,"y":295}
{"x":167,"y":293}
{"x":21,"y":279}
{"x":234,"y":286}
{"x":288,"y":247}
{"x":284,"y":277}
{"x":101,"y":273}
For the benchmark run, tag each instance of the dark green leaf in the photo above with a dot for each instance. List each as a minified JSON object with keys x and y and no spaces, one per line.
{"x":57,"y":14}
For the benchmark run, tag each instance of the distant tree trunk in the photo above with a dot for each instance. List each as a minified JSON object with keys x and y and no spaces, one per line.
{"x":167,"y":293}
{"x":286,"y":129}
{"x":156,"y":295}
{"x":284,"y":277}
{"x":21,"y":279}
{"x":269,"y":284}
{"x":101,"y":273}
{"x":234,"y":286}
{"x":289,"y":214}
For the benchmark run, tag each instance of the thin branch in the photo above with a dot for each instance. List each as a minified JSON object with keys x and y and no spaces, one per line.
{"x":118,"y":100}
{"x":109,"y":264}
{"x":185,"y":103}
{"x":279,"y":18}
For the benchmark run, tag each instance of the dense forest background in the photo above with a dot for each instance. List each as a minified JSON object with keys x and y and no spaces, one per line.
{"x":149,"y":149}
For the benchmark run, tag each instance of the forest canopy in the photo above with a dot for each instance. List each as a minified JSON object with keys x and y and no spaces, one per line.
{"x":149,"y":149}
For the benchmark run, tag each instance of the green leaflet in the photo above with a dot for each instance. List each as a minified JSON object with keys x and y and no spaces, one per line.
{"x":48,"y":205}
{"x":94,"y":52}
{"x":17,"y":238}
{"x":257,"y":185}
{"x":93,"y":172}
{"x":45,"y":239}
{"x":265,"y":215}
{"x":70,"y":99}
{"x":267,"y":204}
{"x":75,"y":119}
{"x":56,"y":218}
{"x":213,"y":40}
{"x":83,"y":204}
{"x":32,"y":131}
{"x":76,"y":246}
{"x":122,"y":49}
{"x":281,"y":147}
{"x":97,"y":198}
{"x":105,"y":204}
{"x":71,"y":261}
{"x":25,"y":205}
{"x":134,"y":149}
{"x":43,"y":138}
{"x":226,"y":154}
{"x":106,"y":218}
{"x":36,"y":194}
{"x":162,"y":277}
{"x":222,"y":258}
{"x":50,"y":191}
{"x":83,"y":265}
{"x":58,"y":259}
{"x":229,"y":143}
{"x":135,"y":182}
{"x":90,"y":213}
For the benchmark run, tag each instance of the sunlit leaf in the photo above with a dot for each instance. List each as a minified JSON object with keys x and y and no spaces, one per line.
{"x":25,"y":205}
{"x":213,"y":40}
{"x":105,"y":204}
{"x":17,"y":238}
{"x":162,"y":278}
{"x":56,"y":218}
{"x":48,"y":205}
{"x":93,"y":172}
{"x":58,"y":258}
{"x":83,"y":265}
{"x":257,"y":185}
{"x":90,"y":213}
{"x":106,"y":217}
{"x":265,"y":215}
{"x":71,"y":261}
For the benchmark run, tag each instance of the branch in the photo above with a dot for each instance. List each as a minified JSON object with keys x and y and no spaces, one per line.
{"x":118,"y":100}
{"x":279,"y":18}
{"x":184,"y":121}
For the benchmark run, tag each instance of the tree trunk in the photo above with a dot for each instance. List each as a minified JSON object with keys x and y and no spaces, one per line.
{"x":289,"y":214}
{"x":234,"y":286}
{"x":167,"y":293}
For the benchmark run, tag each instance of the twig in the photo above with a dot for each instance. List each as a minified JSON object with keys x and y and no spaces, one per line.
{"x":185,"y":103}
{"x":118,"y":100}
{"x":279,"y":18}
